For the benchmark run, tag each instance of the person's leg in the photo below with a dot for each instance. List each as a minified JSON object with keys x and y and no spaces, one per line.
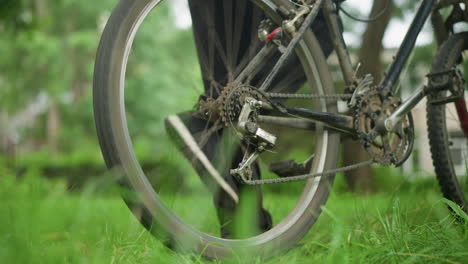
{"x":208,"y":19}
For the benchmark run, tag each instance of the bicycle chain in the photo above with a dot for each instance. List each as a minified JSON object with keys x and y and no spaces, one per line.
{"x":231,"y":99}
{"x":307,"y":96}
{"x":308,"y":176}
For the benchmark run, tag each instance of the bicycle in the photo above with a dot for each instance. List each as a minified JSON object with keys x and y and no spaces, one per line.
{"x":258,"y":55}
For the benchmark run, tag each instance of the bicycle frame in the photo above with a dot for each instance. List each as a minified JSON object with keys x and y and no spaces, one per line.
{"x":394,"y":72}
{"x":387,"y":87}
{"x":344,"y":122}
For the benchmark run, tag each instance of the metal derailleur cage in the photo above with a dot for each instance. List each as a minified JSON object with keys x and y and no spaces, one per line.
{"x":451,"y":82}
{"x":384,"y":147}
{"x":256,"y":139}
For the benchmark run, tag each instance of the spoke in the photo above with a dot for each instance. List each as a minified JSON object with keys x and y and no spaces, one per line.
{"x":257,"y":16}
{"x":226,"y":38}
{"x":247,"y":50}
{"x":256,"y":63}
{"x":214,"y":85}
{"x":241,"y":7}
{"x":207,"y":133}
{"x":208,"y":52}
{"x":228,"y":28}
{"x":291,"y":80}
{"x":214,"y":40}
{"x":247,"y":58}
{"x":228,"y":147}
{"x":198,"y":32}
{"x":209,"y":45}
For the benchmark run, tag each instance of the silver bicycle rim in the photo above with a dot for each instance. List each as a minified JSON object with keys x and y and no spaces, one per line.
{"x":150,"y":198}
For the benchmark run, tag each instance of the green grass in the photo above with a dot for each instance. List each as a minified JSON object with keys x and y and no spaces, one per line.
{"x":406,"y":222}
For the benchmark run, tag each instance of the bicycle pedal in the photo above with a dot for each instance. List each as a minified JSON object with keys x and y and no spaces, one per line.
{"x":451,"y":82}
{"x":287,"y":168}
{"x":444,"y":100}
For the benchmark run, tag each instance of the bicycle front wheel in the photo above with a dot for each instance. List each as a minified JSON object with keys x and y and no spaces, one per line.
{"x":173,"y":201}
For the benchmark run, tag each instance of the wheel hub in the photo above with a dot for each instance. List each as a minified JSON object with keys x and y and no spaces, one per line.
{"x":227,"y":107}
{"x":233,"y":99}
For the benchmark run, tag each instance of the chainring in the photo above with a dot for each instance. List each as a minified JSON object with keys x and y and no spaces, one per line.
{"x":385,"y":148}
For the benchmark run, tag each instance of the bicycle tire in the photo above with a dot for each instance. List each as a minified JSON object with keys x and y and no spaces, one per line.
{"x":449,"y":55}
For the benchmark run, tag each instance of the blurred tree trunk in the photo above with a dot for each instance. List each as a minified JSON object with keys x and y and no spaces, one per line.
{"x":53,"y":114}
{"x":53,"y":126}
{"x":7,"y":146}
{"x":362,"y":180}
{"x":79,"y":83}
{"x":3,"y":132}
{"x":42,"y":9}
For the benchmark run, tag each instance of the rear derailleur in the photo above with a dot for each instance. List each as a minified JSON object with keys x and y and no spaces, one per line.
{"x":258,"y":140}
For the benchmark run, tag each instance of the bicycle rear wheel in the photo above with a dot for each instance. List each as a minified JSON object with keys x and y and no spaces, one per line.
{"x":448,"y":125}
{"x":220,"y":60}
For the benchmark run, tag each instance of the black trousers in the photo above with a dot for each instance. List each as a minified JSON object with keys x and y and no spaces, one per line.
{"x":226,"y":39}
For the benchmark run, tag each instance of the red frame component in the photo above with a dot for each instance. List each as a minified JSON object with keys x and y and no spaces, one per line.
{"x":462,"y":115}
{"x":273,"y":34}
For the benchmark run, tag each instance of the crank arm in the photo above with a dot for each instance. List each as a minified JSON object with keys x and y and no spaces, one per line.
{"x":388,"y":124}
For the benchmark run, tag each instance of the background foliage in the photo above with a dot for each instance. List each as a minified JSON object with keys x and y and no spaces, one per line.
{"x":46,"y":71}
{"x":47,"y":51}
